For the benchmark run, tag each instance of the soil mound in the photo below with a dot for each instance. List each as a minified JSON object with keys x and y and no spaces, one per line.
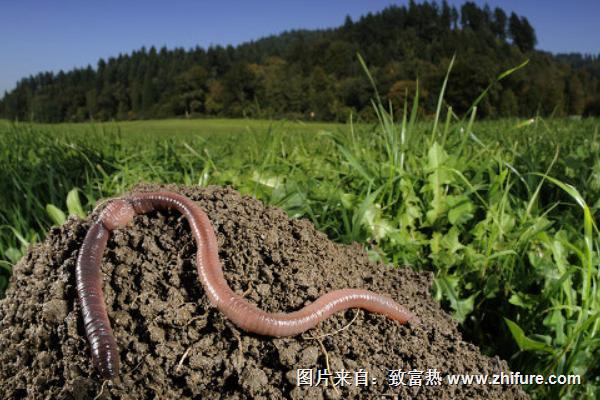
{"x":174,"y":344}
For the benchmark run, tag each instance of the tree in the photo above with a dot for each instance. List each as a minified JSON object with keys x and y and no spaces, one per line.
{"x":446,"y":16}
{"x":321,"y":94}
{"x":401,"y":93}
{"x":149,"y":94}
{"x":275,"y":86}
{"x":575,"y":96}
{"x":191,"y":88}
{"x":240,"y":85}
{"x":522,"y":33}
{"x":348,"y":24}
{"x":472,"y":17}
{"x":499,"y":23}
{"x":214,"y":99}
{"x":508,"y":104}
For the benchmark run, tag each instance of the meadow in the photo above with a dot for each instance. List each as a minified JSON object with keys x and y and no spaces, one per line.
{"x":503,"y":212}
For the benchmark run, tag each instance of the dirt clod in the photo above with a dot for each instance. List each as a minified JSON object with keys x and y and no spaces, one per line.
{"x":174,"y":344}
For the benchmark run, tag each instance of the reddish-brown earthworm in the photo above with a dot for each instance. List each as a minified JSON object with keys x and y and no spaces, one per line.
{"x":120,"y":212}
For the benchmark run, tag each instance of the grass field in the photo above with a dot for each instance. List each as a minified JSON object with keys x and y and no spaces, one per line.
{"x":502,"y":211}
{"x":189,"y":128}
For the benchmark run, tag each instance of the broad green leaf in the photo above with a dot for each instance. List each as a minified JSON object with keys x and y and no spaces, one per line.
{"x":451,"y":242}
{"x":461,"y":209}
{"x":187,"y":180}
{"x":436,"y":157}
{"x":556,"y":321}
{"x":57,"y":216}
{"x":266,"y":180}
{"x":446,"y":249}
{"x":447,"y":287}
{"x":410,"y":211}
{"x":434,"y":213}
{"x":464,"y":307}
{"x":370,"y":214}
{"x":347,"y":200}
{"x":292,"y":202}
{"x":13,"y":254}
{"x":522,"y":300}
{"x":375,"y":256}
{"x":439,"y":175}
{"x":381,"y":229}
{"x":523,"y":341}
{"x":372,"y":219}
{"x":506,"y":222}
{"x":74,"y":204}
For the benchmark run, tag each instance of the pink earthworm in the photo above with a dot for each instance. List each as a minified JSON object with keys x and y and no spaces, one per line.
{"x":120,"y":212}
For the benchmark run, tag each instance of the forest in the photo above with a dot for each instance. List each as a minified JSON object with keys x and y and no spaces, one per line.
{"x":315,"y":74}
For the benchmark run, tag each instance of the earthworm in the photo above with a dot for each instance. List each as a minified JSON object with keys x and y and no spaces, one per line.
{"x":120,"y":212}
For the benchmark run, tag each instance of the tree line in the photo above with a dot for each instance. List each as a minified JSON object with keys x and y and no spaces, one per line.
{"x":316,"y":74}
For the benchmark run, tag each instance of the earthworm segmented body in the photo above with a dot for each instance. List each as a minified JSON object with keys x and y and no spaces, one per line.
{"x":120,"y":212}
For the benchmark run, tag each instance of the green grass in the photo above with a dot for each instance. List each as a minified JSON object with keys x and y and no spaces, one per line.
{"x":502,"y":211}
{"x":189,"y":127}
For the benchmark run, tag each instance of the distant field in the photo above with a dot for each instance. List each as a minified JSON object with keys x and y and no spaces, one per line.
{"x":515,"y":253}
{"x":190,"y":127}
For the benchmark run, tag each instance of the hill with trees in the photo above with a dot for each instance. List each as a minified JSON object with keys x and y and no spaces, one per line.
{"x":316,"y":74}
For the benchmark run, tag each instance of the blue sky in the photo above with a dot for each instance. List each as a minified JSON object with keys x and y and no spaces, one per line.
{"x":40,"y":35}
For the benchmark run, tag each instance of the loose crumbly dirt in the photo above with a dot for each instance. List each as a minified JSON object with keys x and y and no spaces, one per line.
{"x":174,"y":344}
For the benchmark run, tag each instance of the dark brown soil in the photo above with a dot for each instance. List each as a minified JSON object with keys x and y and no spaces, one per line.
{"x":174,"y":344}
